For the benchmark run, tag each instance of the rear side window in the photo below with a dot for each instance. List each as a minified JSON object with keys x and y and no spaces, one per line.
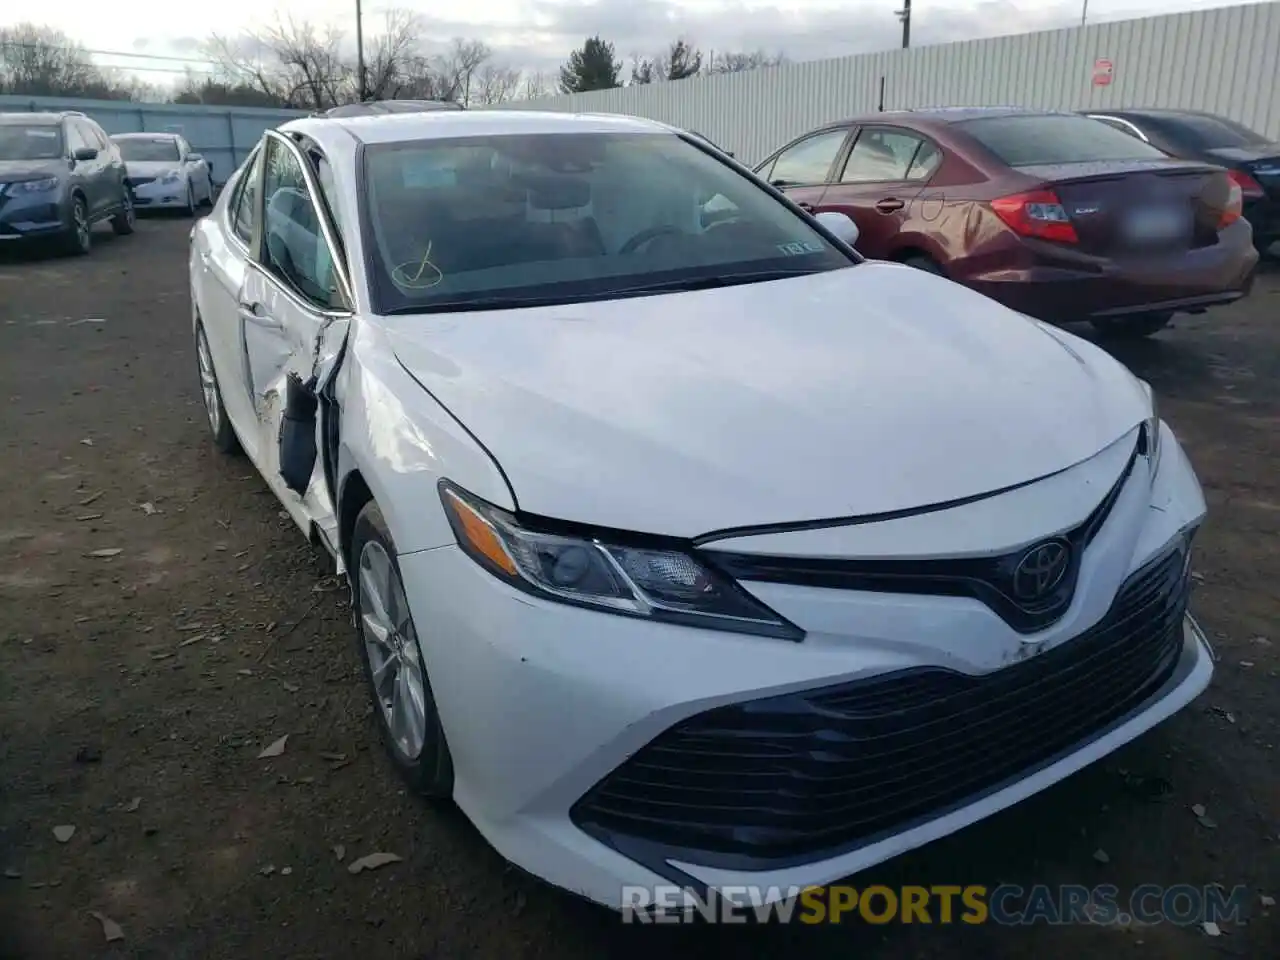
{"x":879,"y":155}
{"x":1211,"y":133}
{"x":1029,"y":140}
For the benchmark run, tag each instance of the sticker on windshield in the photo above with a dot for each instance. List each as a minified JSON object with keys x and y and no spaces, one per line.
{"x":50,"y":134}
{"x":419,"y":174}
{"x":798,"y":248}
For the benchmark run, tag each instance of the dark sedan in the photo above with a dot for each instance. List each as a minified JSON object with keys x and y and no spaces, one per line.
{"x":1252,"y":160}
{"x":1054,"y":214}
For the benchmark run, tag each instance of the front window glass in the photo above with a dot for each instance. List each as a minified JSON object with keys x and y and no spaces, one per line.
{"x":293,"y":245}
{"x":20,"y":141}
{"x":513,"y":220}
{"x":159,"y":150}
{"x":1025,"y":140}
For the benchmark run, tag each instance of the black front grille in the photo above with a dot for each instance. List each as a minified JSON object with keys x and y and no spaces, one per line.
{"x":822,"y":771}
{"x":990,"y":580}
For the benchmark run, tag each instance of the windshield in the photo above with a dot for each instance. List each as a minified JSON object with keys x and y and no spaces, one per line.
{"x":1210,"y":133}
{"x":160,"y":150}
{"x":20,"y":141}
{"x":524,"y":219}
{"x":1029,"y":140}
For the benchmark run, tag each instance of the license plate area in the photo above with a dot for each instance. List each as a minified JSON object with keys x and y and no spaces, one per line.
{"x":1157,"y":225}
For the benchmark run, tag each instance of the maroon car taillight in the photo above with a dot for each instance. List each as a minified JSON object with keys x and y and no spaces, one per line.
{"x":1250,"y":187}
{"x":1038,"y":213}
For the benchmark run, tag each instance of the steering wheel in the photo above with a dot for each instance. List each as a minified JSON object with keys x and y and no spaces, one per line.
{"x":647,"y":235}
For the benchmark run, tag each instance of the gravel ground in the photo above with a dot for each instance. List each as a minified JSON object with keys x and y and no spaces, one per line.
{"x":138,"y":688}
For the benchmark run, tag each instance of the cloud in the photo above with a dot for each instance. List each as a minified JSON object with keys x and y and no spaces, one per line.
{"x":645,"y":27}
{"x":538,"y":35}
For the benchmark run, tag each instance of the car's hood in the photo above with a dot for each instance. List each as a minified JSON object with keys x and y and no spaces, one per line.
{"x":861,"y":391}
{"x":151,"y":168}
{"x":16,"y":171}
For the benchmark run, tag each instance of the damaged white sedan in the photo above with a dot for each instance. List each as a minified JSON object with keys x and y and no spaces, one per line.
{"x":686,"y":546}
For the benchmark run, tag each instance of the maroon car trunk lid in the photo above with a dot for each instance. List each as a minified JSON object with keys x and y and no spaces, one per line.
{"x":1138,"y":208}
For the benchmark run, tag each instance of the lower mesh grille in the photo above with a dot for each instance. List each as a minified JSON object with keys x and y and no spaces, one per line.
{"x":816,"y":771}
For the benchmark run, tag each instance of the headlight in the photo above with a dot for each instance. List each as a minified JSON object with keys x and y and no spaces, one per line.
{"x":171,"y":177}
{"x":656,"y":582}
{"x":1149,"y":443}
{"x":36,"y":186}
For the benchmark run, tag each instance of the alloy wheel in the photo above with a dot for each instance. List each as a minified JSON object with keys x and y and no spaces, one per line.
{"x":391,"y":643}
{"x":208,"y":382}
{"x":81,"y":216}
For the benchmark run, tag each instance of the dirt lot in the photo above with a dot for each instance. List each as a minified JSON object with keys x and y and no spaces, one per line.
{"x":137,"y":689}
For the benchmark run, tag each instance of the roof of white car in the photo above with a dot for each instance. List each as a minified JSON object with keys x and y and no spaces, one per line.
{"x":399,"y":127}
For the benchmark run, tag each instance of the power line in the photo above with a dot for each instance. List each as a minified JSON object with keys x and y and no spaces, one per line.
{"x":29,"y":45}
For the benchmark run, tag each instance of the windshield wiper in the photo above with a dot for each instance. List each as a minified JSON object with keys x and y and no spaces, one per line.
{"x":662,"y":286}
{"x":481,"y":303}
{"x":709,"y":283}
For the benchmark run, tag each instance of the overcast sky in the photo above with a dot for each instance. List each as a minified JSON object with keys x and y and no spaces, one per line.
{"x":538,"y":34}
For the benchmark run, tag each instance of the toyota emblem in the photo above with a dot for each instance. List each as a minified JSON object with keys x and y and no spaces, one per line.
{"x":1040,"y":570}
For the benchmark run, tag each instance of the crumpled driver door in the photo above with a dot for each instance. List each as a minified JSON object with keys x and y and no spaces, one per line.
{"x":294,"y":313}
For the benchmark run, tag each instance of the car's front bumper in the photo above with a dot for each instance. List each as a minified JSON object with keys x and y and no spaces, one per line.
{"x":541,"y":702}
{"x":30,"y":216}
{"x":160,"y":195}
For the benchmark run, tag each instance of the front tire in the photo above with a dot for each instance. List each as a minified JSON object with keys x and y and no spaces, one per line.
{"x":394,"y":666}
{"x":78,"y":239}
{"x":191,"y":200}
{"x":1132,"y":328}
{"x":224,"y":435}
{"x":123,"y":222}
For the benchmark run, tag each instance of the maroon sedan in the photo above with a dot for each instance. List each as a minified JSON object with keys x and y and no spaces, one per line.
{"x":1054,"y":214}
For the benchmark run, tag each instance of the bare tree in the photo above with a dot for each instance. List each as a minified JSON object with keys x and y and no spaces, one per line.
{"x":313,"y":61}
{"x":681,"y":60}
{"x":295,"y":64}
{"x":41,"y":61}
{"x":741,"y":61}
{"x":495,"y":84}
{"x":458,"y":66}
{"x":394,"y":56}
{"x":536,"y":85}
{"x":643,"y":70}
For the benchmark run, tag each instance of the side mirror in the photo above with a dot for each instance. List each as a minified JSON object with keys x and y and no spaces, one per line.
{"x":194,"y":158}
{"x":85,"y":153}
{"x":840,"y":224}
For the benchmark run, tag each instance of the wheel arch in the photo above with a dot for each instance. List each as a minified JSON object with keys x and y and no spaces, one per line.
{"x":353,"y":494}
{"x":914,"y":250}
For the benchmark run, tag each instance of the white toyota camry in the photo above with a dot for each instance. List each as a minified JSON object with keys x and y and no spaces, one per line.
{"x":686,"y":546}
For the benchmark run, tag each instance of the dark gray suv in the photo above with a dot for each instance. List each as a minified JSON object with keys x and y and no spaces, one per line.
{"x":60,"y":174}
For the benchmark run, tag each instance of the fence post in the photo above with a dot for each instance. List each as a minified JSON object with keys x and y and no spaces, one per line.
{"x":231,"y":142}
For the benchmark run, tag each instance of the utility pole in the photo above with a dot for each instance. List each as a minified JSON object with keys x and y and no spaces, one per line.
{"x":1084,"y":12}
{"x":360,"y":91}
{"x":905,"y":16}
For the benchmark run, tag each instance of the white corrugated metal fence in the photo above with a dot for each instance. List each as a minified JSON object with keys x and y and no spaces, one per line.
{"x":1225,"y":60}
